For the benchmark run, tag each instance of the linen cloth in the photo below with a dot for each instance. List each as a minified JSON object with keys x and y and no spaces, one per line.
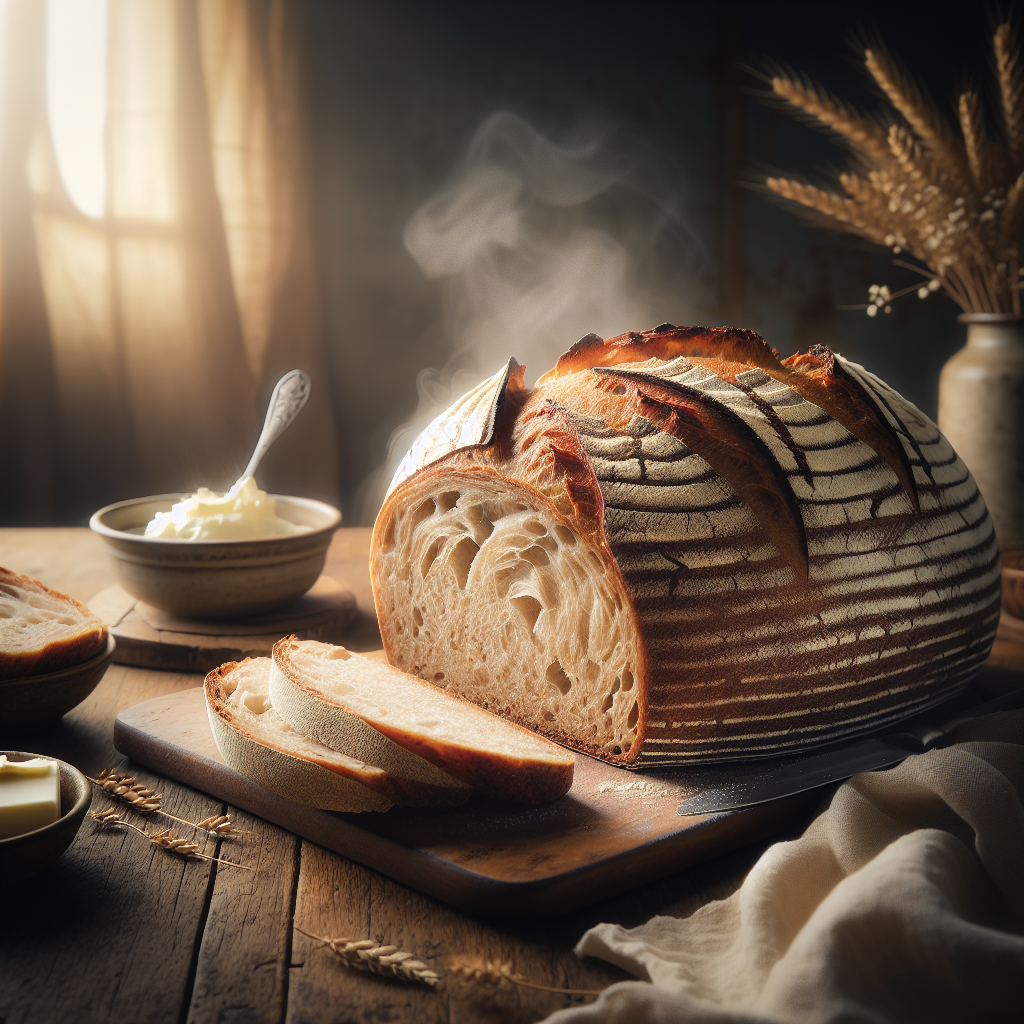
{"x":902,"y":902}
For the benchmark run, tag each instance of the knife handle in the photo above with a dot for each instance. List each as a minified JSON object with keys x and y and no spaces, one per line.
{"x":923,"y":737}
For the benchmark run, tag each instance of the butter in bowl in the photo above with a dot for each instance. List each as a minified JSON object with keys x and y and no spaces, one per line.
{"x":42,"y":805}
{"x":209,"y":556}
{"x":212,"y":556}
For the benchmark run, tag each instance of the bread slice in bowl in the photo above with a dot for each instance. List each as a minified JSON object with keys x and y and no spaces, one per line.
{"x":43,"y":630}
{"x":384,"y":716}
{"x":255,"y":741}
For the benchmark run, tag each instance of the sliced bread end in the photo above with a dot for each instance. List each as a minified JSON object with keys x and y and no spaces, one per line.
{"x":364,"y":707}
{"x":43,"y":630}
{"x":255,"y":742}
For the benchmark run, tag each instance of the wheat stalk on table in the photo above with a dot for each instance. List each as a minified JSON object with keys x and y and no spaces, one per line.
{"x":166,"y":839}
{"x":376,"y":958}
{"x":144,"y":800}
{"x":389,"y":961}
{"x":499,"y":973}
{"x":125,"y":788}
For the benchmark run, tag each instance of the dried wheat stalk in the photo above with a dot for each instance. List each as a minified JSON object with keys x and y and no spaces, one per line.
{"x":390,"y":962}
{"x":387,"y":961}
{"x":832,"y":112}
{"x":923,"y":118}
{"x":167,"y":839}
{"x":144,"y":800}
{"x":972,"y":127}
{"x":219,"y":824}
{"x":953,"y":203}
{"x":499,"y":973}
{"x":125,"y":788}
{"x":1010,"y":75}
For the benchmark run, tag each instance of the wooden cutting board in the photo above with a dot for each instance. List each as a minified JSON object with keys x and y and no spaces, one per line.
{"x":614,"y":830}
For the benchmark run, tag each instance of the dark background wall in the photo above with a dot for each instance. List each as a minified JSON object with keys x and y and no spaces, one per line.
{"x":655,"y":97}
{"x":398,"y":87}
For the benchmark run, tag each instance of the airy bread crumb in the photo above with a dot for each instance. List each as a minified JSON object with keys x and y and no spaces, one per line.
{"x":43,"y":630}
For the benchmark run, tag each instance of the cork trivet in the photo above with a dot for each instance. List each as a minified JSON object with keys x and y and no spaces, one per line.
{"x":149,"y":638}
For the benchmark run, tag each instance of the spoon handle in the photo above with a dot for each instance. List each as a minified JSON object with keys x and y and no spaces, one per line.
{"x":290,"y":395}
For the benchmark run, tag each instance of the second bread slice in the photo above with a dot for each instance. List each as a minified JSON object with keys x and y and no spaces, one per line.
{"x":257,"y":743}
{"x":383,"y":716}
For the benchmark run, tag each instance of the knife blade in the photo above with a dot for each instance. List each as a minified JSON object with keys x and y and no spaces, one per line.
{"x":757,"y":783}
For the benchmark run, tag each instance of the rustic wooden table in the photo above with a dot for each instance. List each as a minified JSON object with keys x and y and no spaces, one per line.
{"x":118,"y":930}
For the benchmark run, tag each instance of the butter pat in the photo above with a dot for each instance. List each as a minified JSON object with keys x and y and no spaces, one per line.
{"x":244,"y":513}
{"x":29,"y":795}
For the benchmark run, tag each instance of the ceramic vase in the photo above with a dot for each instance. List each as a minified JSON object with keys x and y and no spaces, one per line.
{"x":981,"y":412}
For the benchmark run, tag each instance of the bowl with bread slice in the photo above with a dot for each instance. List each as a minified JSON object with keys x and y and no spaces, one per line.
{"x":53,"y":652}
{"x":212,"y":579}
{"x":26,"y":853}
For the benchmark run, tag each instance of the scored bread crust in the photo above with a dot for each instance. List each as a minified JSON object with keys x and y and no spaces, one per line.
{"x":259,"y":744}
{"x":384,"y":716}
{"x":43,"y":630}
{"x":678,"y":548}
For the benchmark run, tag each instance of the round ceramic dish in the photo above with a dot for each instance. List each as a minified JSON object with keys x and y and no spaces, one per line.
{"x":1013,"y":582}
{"x":216,"y":579}
{"x":22,"y":856}
{"x":32,"y":701}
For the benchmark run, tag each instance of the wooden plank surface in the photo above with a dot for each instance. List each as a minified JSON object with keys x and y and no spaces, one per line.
{"x":244,"y":957}
{"x":117,"y":930}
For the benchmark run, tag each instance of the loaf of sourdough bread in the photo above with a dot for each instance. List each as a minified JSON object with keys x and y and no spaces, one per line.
{"x":255,"y":741}
{"x":385,"y":717}
{"x":678,"y":548}
{"x":42,"y":630}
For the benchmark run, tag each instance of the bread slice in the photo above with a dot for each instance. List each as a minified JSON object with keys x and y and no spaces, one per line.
{"x":384,"y":716}
{"x":257,"y":743}
{"x":42,"y":630}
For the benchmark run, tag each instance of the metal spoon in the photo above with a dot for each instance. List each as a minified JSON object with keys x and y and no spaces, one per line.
{"x":290,"y":395}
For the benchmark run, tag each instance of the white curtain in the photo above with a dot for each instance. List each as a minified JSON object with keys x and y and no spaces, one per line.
{"x":172,"y":313}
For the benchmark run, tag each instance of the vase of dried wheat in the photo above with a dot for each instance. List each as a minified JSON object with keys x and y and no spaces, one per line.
{"x":981,"y":412}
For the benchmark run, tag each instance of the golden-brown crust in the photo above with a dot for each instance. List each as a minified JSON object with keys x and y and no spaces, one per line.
{"x":87,"y":643}
{"x":814,"y":375}
{"x":710,"y":430}
{"x":731,"y":344}
{"x":817,"y":377}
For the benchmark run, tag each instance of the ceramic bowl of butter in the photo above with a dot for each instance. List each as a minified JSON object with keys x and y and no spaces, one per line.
{"x":40,"y":814}
{"x":195,"y":556}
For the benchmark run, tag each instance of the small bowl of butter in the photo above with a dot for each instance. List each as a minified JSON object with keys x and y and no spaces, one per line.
{"x":42,"y":804}
{"x":218,"y":556}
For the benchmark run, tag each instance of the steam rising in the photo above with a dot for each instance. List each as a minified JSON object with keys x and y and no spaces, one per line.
{"x":538,"y":242}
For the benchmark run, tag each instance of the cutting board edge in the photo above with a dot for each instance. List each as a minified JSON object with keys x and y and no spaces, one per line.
{"x":474,"y":893}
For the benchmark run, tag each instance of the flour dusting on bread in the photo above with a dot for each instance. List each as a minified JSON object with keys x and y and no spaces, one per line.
{"x":679,"y":548}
